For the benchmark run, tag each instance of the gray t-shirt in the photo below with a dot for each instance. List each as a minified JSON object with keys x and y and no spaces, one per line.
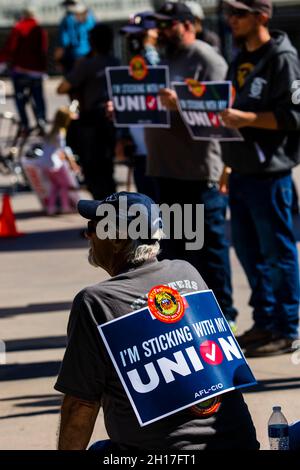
{"x":88,"y":373}
{"x":171,"y":152}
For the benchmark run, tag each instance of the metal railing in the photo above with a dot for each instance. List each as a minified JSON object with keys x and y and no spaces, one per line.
{"x":50,"y":12}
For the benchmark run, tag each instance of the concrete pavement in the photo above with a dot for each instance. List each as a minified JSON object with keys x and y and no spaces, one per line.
{"x":40,"y":274}
{"x":38,"y":281}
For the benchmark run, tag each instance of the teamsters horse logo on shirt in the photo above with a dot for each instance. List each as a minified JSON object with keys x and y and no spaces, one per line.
{"x":166,"y":304}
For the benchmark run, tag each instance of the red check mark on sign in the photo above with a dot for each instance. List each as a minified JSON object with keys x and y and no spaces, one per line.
{"x":211,"y":353}
{"x":151,"y":103}
{"x":212,"y":356}
{"x":214,"y":119}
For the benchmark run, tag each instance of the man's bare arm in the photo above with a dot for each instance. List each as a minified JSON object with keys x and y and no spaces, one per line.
{"x":235,"y":119}
{"x":77,"y":423}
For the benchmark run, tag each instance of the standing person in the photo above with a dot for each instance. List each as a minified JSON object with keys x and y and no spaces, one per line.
{"x":188,"y":171}
{"x":141,"y":35}
{"x":203,"y":33}
{"x":73,"y":38}
{"x":96,"y":131}
{"x":57,"y":161}
{"x":88,"y":377}
{"x":260,"y":186}
{"x":26,"y":53}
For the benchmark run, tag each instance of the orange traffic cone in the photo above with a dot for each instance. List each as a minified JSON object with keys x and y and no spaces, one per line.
{"x":7,"y":220}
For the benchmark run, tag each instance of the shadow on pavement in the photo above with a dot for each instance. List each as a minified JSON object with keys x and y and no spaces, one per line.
{"x":33,"y":370}
{"x":34,"y":308}
{"x":28,"y":415}
{"x":42,"y":403}
{"x":272,"y":385}
{"x":51,"y":403}
{"x":30,"y":397}
{"x":69,"y":239}
{"x":32,"y":344}
{"x":65,"y":239}
{"x":29,"y":215}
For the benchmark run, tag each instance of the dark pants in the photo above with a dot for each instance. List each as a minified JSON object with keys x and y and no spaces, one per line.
{"x":212,"y":261}
{"x":144,"y":184}
{"x":28,"y":88}
{"x":262,"y":234}
{"x":97,"y":142}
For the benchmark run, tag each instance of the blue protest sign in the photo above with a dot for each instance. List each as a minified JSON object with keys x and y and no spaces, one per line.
{"x":200,"y":104}
{"x":136,"y":102}
{"x":169,"y":366}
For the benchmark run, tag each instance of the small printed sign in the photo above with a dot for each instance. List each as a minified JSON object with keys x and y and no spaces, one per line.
{"x":200,"y":104}
{"x":134,"y":91}
{"x":166,"y":367}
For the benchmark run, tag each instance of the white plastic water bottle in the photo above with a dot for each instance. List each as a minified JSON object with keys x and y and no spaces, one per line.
{"x":278,"y":430}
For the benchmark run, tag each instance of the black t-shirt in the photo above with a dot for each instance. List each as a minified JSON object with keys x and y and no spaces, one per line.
{"x":248,"y":60}
{"x":88,"y":373}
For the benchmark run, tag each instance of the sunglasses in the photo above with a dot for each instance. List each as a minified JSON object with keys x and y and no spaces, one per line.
{"x":91,"y":227}
{"x":165,"y":24}
{"x":238,"y":13}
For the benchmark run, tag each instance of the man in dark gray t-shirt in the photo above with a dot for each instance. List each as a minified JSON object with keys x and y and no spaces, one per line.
{"x":188,"y":171}
{"x":87,"y":376}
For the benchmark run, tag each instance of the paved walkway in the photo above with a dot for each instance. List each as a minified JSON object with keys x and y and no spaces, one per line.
{"x":41,"y":272}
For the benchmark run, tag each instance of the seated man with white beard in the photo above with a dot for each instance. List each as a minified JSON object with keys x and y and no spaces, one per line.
{"x":88,"y":377}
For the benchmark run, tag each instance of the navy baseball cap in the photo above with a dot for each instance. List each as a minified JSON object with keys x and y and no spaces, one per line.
{"x":144,"y":209}
{"x":139,"y":23}
{"x":174,"y":11}
{"x":259,"y":6}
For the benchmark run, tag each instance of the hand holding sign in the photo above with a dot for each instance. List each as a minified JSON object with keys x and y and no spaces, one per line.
{"x":235,"y":119}
{"x":135,"y":95}
{"x":168,"y":99}
{"x":202,"y":106}
{"x":109,"y":110}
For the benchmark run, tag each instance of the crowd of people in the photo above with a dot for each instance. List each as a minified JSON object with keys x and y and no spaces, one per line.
{"x":170,"y":167}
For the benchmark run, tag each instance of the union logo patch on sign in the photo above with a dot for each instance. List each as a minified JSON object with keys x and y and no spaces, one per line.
{"x":195,"y":87}
{"x":138,"y":68}
{"x":166,"y":304}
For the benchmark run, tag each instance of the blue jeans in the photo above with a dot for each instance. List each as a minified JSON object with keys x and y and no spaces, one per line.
{"x":262,"y":234}
{"x":212,"y":261}
{"x":27,"y":88}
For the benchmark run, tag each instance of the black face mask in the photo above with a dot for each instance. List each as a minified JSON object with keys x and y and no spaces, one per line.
{"x":135,"y":44}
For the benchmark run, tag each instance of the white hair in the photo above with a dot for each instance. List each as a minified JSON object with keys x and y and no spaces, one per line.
{"x":135,"y":252}
{"x":138,"y":251}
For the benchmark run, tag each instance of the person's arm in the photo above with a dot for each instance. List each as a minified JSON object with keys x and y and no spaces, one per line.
{"x":75,"y":79}
{"x":223,"y":182}
{"x":235,"y":119}
{"x":285,"y":114}
{"x":82,"y":375}
{"x":168,"y":99}
{"x":78,"y":418}
{"x":64,"y":87}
